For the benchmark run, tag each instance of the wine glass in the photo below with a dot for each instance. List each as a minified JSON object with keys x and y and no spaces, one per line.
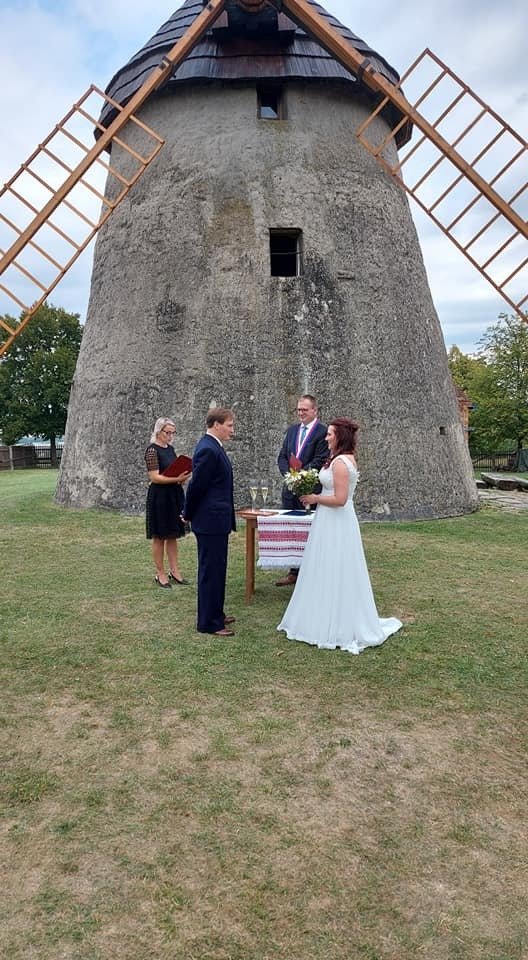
{"x":264,"y":489}
{"x":253,"y":489}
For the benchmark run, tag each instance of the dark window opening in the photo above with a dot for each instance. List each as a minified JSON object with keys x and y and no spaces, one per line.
{"x":443,"y":431}
{"x":285,"y":253}
{"x":269,"y":103}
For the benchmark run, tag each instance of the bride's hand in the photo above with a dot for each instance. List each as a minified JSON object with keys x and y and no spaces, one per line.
{"x":308,"y":498}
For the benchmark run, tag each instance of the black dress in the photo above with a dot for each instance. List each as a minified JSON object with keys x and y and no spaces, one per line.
{"x":164,"y":500}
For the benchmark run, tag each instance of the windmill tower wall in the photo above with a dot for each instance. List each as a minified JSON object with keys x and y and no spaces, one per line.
{"x":184,"y":311}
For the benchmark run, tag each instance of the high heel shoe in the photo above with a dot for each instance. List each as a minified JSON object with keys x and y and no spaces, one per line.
{"x":165,"y":586}
{"x":181,"y":582}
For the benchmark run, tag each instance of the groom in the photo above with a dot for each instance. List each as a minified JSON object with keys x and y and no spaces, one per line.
{"x":210,"y":509}
{"x":304,"y":445}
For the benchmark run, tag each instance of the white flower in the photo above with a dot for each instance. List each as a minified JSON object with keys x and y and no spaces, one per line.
{"x":301,"y":482}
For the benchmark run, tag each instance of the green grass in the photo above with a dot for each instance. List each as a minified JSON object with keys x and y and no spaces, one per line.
{"x":174,"y":797}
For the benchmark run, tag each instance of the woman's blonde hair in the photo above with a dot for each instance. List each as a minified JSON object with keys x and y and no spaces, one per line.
{"x":160,"y":425}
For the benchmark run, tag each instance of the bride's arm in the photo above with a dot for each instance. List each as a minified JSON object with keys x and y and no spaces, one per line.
{"x":340,"y":495}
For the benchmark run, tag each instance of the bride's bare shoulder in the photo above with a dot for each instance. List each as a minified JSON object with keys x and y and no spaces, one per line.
{"x":347,"y":456}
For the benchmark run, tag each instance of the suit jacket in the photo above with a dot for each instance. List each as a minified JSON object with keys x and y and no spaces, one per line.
{"x":209,"y":500}
{"x":313,"y":454}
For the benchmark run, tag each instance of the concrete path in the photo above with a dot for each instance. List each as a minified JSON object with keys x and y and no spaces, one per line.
{"x":506,"y":499}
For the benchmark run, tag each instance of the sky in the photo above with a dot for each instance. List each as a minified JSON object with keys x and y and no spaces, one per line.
{"x":50,"y":51}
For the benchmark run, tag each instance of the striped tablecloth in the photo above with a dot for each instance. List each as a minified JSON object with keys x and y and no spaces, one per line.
{"x":282,"y":538}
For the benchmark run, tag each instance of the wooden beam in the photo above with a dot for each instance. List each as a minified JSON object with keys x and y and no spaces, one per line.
{"x":155,"y":79}
{"x":304,"y":14}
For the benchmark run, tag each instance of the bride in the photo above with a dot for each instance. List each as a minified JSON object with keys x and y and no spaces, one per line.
{"x":333,"y":604}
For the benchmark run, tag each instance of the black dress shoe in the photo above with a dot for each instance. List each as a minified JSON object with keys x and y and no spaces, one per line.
{"x":174,"y":579}
{"x":166,"y":586}
{"x":288,"y":581}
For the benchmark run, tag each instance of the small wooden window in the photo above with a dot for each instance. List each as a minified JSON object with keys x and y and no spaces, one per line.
{"x":269,"y":103}
{"x":286,"y":253}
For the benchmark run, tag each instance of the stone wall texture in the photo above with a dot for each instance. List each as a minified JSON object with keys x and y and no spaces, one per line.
{"x":184,"y":313}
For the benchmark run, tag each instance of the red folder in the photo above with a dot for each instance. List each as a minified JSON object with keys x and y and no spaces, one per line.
{"x":182,"y":464}
{"x":294,"y":462}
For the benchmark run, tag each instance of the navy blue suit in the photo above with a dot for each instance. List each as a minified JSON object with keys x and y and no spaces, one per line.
{"x":210,"y":509}
{"x":313,"y":454}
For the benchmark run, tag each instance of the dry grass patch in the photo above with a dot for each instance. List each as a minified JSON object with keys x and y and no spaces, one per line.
{"x":220,"y":842}
{"x":169,"y":797}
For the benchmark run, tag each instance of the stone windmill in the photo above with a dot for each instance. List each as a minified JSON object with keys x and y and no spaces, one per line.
{"x":265,"y":254}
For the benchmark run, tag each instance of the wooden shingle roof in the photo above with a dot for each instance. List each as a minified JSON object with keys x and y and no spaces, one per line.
{"x":263,"y":47}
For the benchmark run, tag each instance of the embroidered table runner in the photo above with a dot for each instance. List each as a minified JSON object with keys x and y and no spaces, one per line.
{"x":282,"y":538}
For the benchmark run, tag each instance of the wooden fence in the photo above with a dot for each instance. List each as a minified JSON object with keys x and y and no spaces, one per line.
{"x":38,"y":456}
{"x":26,"y":457}
{"x":497,"y":461}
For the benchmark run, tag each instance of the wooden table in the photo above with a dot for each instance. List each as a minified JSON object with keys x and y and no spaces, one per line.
{"x":293,"y":553}
{"x":250,"y":516}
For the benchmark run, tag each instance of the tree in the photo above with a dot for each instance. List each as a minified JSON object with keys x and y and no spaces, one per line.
{"x":496,"y":380}
{"x":36,"y":375}
{"x":487,"y":432}
{"x":473,"y":376}
{"x":465,"y":369}
{"x":505,"y":349}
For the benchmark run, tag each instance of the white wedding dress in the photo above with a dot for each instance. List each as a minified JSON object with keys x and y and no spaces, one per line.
{"x":332,"y":604}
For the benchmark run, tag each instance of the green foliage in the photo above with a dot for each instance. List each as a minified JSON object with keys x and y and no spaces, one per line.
{"x":36,"y":375}
{"x":496,"y":380}
{"x":465,"y":369}
{"x":505,"y":347}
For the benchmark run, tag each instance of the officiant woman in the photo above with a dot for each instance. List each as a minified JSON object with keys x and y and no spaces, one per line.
{"x":165,"y":500}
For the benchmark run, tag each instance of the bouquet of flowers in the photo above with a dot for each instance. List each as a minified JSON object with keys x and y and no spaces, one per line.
{"x":301,"y":481}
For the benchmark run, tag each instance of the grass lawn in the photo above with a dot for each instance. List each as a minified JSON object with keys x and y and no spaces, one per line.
{"x":170,"y":796}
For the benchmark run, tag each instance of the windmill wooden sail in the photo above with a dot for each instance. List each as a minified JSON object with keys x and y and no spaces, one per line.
{"x":67,"y":218}
{"x":69,"y":182}
{"x":481,"y":215}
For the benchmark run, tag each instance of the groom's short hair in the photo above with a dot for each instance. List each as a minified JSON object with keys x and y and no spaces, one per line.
{"x":218,"y":415}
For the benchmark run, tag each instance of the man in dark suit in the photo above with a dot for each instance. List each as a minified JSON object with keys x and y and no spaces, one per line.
{"x":210,"y":509}
{"x":304,"y":446}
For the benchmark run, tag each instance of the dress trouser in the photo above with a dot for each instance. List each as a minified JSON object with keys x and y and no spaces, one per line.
{"x":212,"y":570}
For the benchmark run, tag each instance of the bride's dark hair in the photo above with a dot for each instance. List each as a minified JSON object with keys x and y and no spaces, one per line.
{"x":346,"y":436}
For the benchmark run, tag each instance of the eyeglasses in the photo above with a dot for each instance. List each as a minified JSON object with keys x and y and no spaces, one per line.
{"x":170,"y":433}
